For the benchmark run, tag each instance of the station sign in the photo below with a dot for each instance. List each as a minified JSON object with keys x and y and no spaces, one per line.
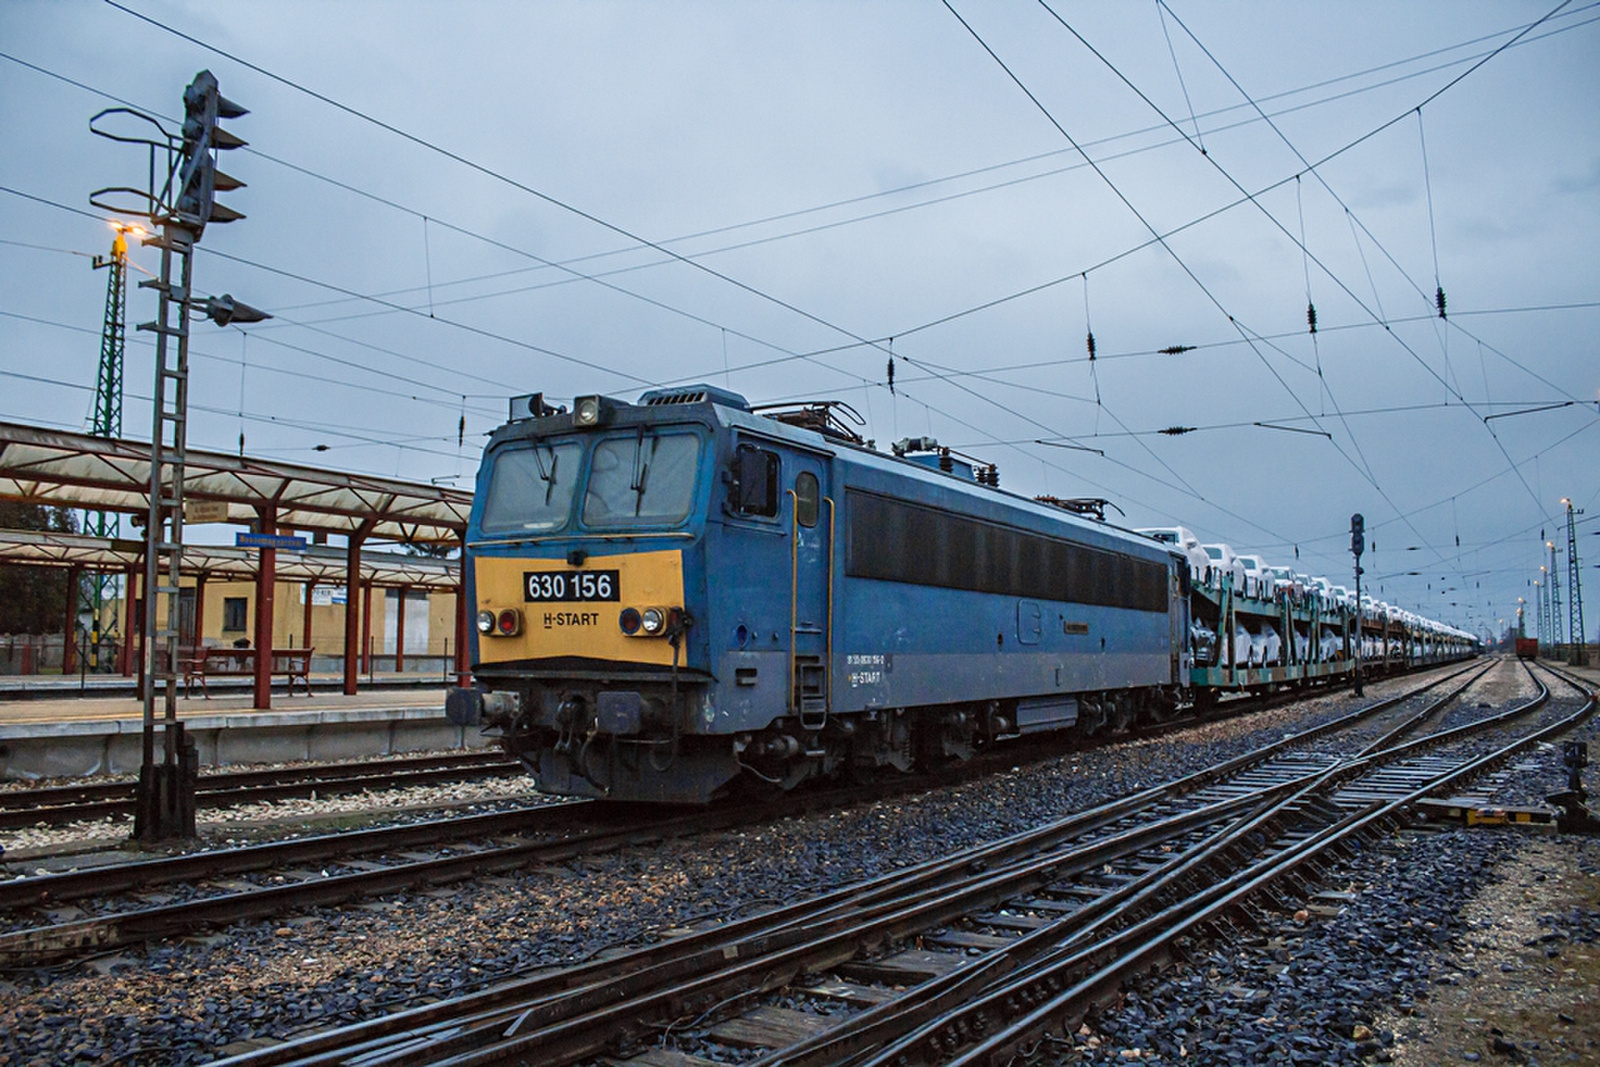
{"x":286,"y":542}
{"x":198,"y":511}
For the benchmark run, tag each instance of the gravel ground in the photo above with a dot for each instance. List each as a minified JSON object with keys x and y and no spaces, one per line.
{"x":1522,"y":983}
{"x":181,"y":1002}
{"x":1457,"y":946}
{"x":1544,"y":773}
{"x":1460,"y":946}
{"x":1508,"y":683}
{"x":274,"y":819}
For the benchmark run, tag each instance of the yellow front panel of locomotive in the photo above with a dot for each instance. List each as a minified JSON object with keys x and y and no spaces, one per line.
{"x":578,"y":627}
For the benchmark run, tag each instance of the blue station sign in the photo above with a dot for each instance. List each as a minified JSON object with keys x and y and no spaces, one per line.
{"x":286,"y":542}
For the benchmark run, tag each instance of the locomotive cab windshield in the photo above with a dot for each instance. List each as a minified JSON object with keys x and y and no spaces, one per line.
{"x":638,"y":478}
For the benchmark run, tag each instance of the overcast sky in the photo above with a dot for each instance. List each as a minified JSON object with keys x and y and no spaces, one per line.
{"x":447,"y":202}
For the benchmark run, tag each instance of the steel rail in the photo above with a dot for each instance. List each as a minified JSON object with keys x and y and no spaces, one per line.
{"x":549,"y":1029}
{"x":415,"y":1024}
{"x":1065,"y":1007}
{"x":65,"y":804}
{"x":612,"y":1007}
{"x":1422,"y":716}
{"x":119,"y":877}
{"x":925,"y":1006}
{"x":573,"y":1023}
{"x":212,"y":863}
{"x":29,"y":947}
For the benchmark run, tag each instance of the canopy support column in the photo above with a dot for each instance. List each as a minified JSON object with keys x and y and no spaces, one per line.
{"x":366,"y":627}
{"x":69,"y":632}
{"x":400,"y":630}
{"x":266,"y":582}
{"x":305,"y":623}
{"x":133,"y":645}
{"x":352,"y":606}
{"x":199,"y":611}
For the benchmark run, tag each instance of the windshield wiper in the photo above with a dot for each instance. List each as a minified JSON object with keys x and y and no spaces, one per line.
{"x":547,"y":477}
{"x":641,"y":471}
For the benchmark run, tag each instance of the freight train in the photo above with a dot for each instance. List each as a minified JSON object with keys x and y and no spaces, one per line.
{"x":685,"y":596}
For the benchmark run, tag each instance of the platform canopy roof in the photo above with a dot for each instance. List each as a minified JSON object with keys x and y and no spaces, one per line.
{"x":322,"y":565}
{"x":77,"y":470}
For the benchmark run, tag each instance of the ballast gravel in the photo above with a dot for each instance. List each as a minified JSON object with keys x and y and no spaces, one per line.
{"x":187,"y":1001}
{"x":220,"y":825}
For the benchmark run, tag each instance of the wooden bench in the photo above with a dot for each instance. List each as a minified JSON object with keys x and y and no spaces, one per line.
{"x":205,"y":663}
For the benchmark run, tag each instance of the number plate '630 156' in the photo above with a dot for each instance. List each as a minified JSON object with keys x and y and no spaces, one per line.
{"x":571,"y":586}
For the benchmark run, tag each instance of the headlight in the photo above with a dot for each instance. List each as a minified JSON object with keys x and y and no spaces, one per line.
{"x":586,"y":411}
{"x":510,"y":622}
{"x":485,"y":622}
{"x":629,"y":621}
{"x":653,"y":621}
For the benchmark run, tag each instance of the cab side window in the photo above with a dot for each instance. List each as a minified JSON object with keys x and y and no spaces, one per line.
{"x":805,"y":499}
{"x":754,"y":489}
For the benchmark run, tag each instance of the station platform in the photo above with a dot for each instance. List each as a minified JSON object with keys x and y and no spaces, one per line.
{"x":65,"y":734}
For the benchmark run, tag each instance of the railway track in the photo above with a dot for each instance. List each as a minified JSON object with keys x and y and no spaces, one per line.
{"x":962,"y":959}
{"x":333,"y":868}
{"x":66,"y":804}
{"x":124,"y":904}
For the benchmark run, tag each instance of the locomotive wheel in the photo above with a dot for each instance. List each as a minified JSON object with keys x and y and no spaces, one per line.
{"x":1091,"y":716}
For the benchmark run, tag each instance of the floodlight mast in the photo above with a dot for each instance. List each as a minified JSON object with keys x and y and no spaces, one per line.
{"x":1580,"y":642}
{"x":1557,"y":622}
{"x":181,"y":205}
{"x":107,"y":418}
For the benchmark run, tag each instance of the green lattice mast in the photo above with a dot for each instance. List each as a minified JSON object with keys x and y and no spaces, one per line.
{"x":106,"y":420}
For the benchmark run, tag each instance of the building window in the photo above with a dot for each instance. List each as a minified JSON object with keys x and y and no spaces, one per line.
{"x":235,"y":609}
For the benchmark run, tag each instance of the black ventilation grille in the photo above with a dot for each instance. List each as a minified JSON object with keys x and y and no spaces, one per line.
{"x":683,"y":397}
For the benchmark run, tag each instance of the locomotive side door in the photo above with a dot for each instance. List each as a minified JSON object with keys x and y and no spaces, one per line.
{"x":810,"y":521}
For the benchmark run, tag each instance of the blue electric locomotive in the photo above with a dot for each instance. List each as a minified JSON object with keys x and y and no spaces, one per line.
{"x":683,"y":594}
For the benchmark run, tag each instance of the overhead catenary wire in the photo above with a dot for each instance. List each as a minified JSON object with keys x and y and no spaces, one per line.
{"x":1455,"y":390}
{"x":1314,"y":169}
{"x":490,"y":172}
{"x":385,"y":373}
{"x":1143,"y":220}
{"x":1178,"y":69}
